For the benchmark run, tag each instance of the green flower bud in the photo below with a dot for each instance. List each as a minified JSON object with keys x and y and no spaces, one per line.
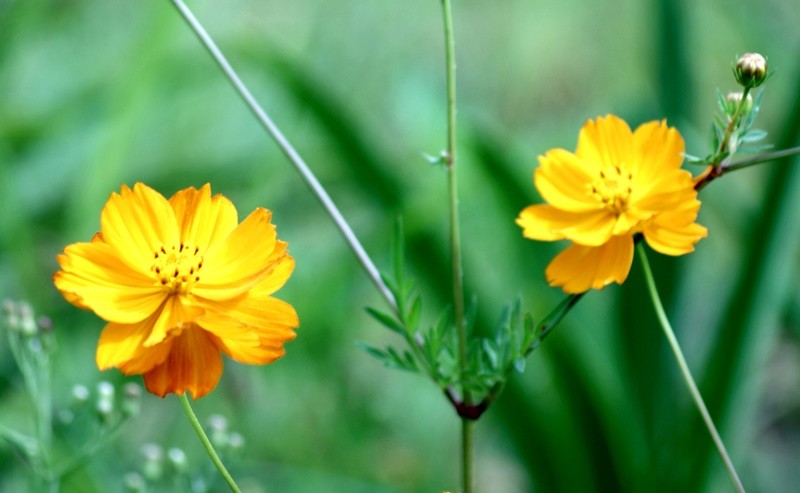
{"x":153,"y":467}
{"x":80,"y":395}
{"x":732,"y":101}
{"x":11,"y":313}
{"x":131,"y":399}
{"x":218,"y":427}
{"x":750,"y":70}
{"x":177,"y":458}
{"x":27,"y":325}
{"x":134,"y":482}
{"x":105,"y":400}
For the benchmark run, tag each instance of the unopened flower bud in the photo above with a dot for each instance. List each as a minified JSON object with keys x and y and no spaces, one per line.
{"x":236,"y":441}
{"x":218,"y":426}
{"x":153,"y":467}
{"x":732,"y":101}
{"x":750,"y":70}
{"x":131,"y":399}
{"x":177,"y":458}
{"x":105,"y":400}
{"x":134,"y":482}
{"x":44,"y":323}
{"x":27,"y":321}
{"x":10,"y":312}
{"x":80,"y":394}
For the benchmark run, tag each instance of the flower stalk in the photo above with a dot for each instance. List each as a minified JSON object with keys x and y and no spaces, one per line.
{"x":212,"y":453}
{"x":467,"y":424}
{"x":685,"y":372}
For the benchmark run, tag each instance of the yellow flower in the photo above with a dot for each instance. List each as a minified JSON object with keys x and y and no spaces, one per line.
{"x":617,"y":184}
{"x":178,"y":282}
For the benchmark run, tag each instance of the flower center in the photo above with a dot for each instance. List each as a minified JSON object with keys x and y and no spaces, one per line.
{"x":612,"y":188}
{"x":177,"y":267}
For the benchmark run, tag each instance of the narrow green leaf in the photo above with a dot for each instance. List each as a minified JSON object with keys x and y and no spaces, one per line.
{"x":398,"y":249}
{"x":373,"y":351}
{"x":387,"y":320}
{"x":412,"y":320}
{"x":753,"y":135}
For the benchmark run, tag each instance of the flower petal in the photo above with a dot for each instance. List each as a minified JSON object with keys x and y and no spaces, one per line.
{"x":235,"y":265}
{"x":194,"y":365}
{"x":254,"y":329}
{"x":580,"y":268}
{"x":547,"y":223}
{"x":605,"y":142}
{"x":659,"y":149}
{"x":202,"y":219}
{"x":563,"y":182}
{"x":93,"y":276}
{"x":122,"y":346}
{"x":136,"y":223}
{"x":176,"y":313}
{"x":675,"y":232}
{"x":282,"y":269}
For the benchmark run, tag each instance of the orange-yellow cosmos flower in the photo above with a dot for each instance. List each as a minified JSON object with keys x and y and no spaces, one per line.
{"x":178,"y":282}
{"x":617,"y":183}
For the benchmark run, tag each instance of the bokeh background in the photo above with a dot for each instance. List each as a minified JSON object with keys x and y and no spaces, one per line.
{"x":97,"y":94}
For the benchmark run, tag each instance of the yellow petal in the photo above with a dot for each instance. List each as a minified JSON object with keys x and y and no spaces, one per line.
{"x":605,"y":142}
{"x":193,"y":365}
{"x":659,"y":149}
{"x":176,"y":312}
{"x":202,"y":219}
{"x":93,"y":276}
{"x":252,"y":330}
{"x":281,"y":270}
{"x":563,"y":182}
{"x":667,"y":191}
{"x":580,"y":268}
{"x":546,"y":223}
{"x":674,"y":232}
{"x":122,"y":346}
{"x":235,"y":265}
{"x":136,"y":223}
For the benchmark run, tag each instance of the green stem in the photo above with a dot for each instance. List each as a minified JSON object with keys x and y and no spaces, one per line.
{"x":187,"y":408}
{"x":290,"y":152}
{"x":760,"y":158}
{"x":687,"y":375}
{"x":467,"y":425}
{"x":734,"y":122}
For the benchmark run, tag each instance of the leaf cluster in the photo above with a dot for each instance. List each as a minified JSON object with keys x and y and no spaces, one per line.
{"x":737,"y":124}
{"x":433,"y":349}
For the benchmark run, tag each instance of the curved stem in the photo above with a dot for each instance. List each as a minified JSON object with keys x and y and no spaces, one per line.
{"x":687,"y":375}
{"x":187,"y":408}
{"x":290,"y":152}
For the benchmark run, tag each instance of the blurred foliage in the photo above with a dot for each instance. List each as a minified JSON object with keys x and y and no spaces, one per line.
{"x":96,"y":94}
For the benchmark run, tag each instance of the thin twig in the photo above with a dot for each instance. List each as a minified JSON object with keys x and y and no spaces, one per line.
{"x":290,"y":152}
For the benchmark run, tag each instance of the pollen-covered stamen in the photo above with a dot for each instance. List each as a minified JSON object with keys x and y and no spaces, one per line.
{"x":177,"y":267}
{"x":612,"y":188}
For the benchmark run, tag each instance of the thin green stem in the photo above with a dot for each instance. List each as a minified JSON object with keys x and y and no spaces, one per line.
{"x":455,"y":234}
{"x":187,"y":408}
{"x":760,"y":158}
{"x":734,"y":121}
{"x":290,"y":152}
{"x":687,"y":375}
{"x":467,"y":425}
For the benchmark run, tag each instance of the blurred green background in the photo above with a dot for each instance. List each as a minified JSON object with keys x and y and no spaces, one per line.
{"x":97,"y":94}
